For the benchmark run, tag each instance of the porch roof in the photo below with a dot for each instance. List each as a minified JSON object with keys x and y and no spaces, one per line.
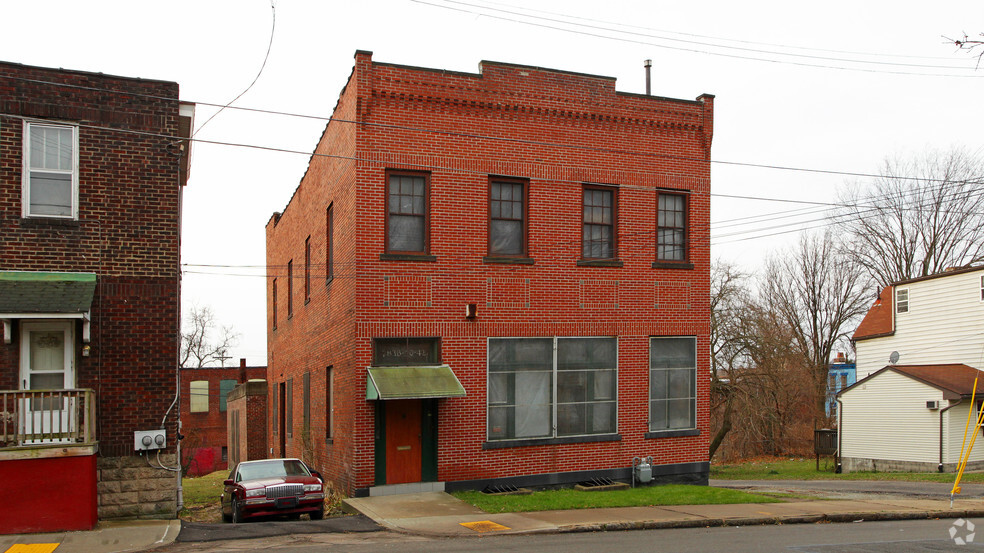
{"x":45,"y":292}
{"x":412,"y":383}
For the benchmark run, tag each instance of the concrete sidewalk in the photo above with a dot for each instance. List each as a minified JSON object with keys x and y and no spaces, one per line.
{"x":439,"y":514}
{"x":108,"y":537}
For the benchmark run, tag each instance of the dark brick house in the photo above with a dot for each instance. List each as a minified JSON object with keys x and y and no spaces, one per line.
{"x":204,"y":408}
{"x":91,"y":172}
{"x":494,"y":278}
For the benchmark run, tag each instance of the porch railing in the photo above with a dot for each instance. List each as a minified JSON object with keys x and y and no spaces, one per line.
{"x":46,"y":417}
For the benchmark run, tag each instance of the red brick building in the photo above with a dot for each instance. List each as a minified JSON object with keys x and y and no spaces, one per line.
{"x":247,"y":422}
{"x":91,"y":172}
{"x":494,"y":278}
{"x":204,"y":401}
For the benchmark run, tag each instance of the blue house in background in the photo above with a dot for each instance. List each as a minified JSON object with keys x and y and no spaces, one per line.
{"x":840,"y":375}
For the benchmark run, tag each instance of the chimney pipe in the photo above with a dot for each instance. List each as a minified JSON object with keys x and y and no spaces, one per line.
{"x":649,"y":65}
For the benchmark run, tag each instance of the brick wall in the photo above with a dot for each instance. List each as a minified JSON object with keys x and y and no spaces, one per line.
{"x":557,"y":129}
{"x":206,"y":433}
{"x":247,"y":422}
{"x":127,"y":233}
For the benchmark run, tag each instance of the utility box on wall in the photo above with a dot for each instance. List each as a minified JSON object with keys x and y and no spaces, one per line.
{"x":144,"y":440}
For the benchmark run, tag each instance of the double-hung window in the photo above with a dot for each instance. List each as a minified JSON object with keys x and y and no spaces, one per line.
{"x":902,"y":300}
{"x":598,"y":223}
{"x":507,"y":218}
{"x":51,"y":170}
{"x":407,"y":213}
{"x":671,"y":227}
{"x":672,"y":383}
{"x":551,"y":387}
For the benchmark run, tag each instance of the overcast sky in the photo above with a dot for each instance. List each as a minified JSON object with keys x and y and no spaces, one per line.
{"x":833,"y":87}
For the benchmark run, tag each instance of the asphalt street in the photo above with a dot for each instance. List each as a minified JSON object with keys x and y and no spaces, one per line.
{"x":841,"y":488}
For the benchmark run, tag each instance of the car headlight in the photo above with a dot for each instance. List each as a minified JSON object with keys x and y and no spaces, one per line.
{"x":312,"y":487}
{"x":261,"y":492}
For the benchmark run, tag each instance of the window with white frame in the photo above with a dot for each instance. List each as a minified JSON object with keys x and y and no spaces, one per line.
{"x":902,"y":300}
{"x":552,"y":387}
{"x":672,"y":383}
{"x":50,"y":175}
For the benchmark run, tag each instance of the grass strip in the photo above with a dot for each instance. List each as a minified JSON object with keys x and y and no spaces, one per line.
{"x":670,"y":494}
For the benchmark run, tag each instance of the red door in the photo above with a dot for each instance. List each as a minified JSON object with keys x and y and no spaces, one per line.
{"x":403,"y":441}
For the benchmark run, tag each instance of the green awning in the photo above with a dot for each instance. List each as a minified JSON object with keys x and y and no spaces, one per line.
{"x":23,"y":292}
{"x":412,"y":383}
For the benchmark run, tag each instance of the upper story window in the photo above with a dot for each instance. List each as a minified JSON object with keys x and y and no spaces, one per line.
{"x":671,"y":227}
{"x":405,"y":351}
{"x":330,"y":243}
{"x":198,"y":392}
{"x":290,"y":288}
{"x":407,"y":213}
{"x":307,"y":269}
{"x":274,"y":294}
{"x":225,"y":386}
{"x":598,"y":223}
{"x":902,"y":300}
{"x":51,"y":170}
{"x":507,"y":218}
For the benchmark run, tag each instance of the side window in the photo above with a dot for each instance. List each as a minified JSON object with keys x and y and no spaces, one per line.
{"x":507,"y":218}
{"x":671,"y":227}
{"x":51,"y":175}
{"x":598,"y":223}
{"x":198,"y":390}
{"x":407,"y":213}
{"x":330,"y":243}
{"x":274,"y":307}
{"x":225,"y":386}
{"x":307,"y":269}
{"x":902,"y":300}
{"x":290,"y":288}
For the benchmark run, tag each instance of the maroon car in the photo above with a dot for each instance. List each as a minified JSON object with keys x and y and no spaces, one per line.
{"x":272,"y":487}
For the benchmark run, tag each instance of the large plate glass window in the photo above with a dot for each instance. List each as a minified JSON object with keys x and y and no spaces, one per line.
{"x":672,"y":384}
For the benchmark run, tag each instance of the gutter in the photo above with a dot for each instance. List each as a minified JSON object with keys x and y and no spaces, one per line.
{"x":939,"y":467}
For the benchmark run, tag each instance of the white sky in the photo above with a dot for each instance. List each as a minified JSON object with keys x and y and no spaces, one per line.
{"x":777,"y":114}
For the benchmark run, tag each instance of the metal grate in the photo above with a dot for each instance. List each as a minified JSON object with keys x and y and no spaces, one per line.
{"x":500,"y":488}
{"x":597,"y":483}
{"x":284,"y":490}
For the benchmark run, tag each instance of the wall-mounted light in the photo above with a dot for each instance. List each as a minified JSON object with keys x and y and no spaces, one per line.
{"x":86,"y":349}
{"x":471,"y":311}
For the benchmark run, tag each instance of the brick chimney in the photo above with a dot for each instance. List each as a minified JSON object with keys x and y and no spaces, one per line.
{"x":242,"y":370}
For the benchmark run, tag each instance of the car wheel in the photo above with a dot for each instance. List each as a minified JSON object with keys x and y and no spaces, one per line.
{"x":237,"y":511}
{"x":318,"y":515}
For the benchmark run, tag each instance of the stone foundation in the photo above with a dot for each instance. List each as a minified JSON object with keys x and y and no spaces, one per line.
{"x":855,"y":464}
{"x":129,"y":488}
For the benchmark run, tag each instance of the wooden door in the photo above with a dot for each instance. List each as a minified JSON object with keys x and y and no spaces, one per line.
{"x":403,"y":441}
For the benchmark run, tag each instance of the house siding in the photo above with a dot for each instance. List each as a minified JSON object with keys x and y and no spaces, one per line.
{"x":527,"y":109}
{"x":944,"y":324}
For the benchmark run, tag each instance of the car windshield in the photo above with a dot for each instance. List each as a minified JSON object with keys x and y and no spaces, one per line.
{"x":272,"y":469}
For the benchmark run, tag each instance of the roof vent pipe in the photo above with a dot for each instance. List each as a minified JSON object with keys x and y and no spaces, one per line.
{"x":649,"y":65}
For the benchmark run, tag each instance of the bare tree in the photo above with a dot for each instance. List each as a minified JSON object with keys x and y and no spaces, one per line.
{"x":205,"y":342}
{"x":730,"y":302}
{"x":969,"y":44}
{"x":815,"y":292}
{"x":922,"y":216}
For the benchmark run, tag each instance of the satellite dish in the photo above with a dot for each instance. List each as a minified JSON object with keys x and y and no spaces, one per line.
{"x":893,"y":357}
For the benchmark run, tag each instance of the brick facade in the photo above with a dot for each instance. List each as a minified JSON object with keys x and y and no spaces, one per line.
{"x":247,"y":422}
{"x":556,"y":132}
{"x":127,"y":232}
{"x":205,"y":446}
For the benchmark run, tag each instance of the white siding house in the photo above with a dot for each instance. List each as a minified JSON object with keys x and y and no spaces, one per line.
{"x":935,"y":319}
{"x":922,"y":341}
{"x":909,"y":418}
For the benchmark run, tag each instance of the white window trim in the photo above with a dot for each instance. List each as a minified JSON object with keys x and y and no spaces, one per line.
{"x":649,"y":401}
{"x":26,"y":169}
{"x":982,"y":288}
{"x":553,"y":426}
{"x":906,"y":301}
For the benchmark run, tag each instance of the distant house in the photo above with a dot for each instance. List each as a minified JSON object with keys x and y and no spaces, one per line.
{"x":92,"y":168}
{"x":919,"y":349}
{"x":494,"y":278}
{"x":204,"y":397}
{"x":840,"y":375}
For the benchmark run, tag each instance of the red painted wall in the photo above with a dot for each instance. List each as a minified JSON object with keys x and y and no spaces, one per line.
{"x":48,"y":495}
{"x":557,"y":129}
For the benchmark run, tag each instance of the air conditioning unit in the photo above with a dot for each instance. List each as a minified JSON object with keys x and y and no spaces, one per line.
{"x":935,"y":404}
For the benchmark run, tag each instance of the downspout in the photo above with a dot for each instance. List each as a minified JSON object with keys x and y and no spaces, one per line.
{"x":840,"y":434}
{"x":939,"y":467}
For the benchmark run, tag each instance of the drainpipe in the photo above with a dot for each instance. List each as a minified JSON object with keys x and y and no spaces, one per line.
{"x":840,"y":433}
{"x":939,"y":467}
{"x":648,"y":64}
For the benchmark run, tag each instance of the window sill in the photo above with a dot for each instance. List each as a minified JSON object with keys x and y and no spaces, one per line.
{"x":681,"y":265}
{"x":50,"y":222}
{"x":503,"y":444}
{"x":672,"y":433}
{"x":406,"y":257}
{"x":508,"y":260}
{"x":599,"y":263}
